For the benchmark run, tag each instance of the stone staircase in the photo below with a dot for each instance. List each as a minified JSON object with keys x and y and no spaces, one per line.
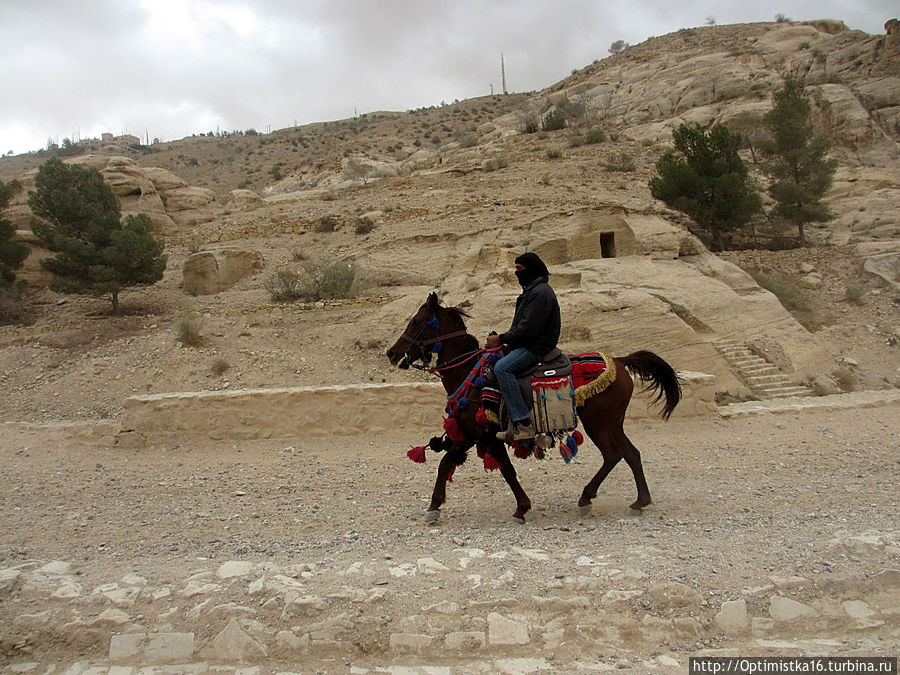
{"x":763,"y":378}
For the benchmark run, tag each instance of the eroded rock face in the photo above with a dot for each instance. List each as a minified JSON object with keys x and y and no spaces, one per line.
{"x":209,"y":272}
{"x":167,"y":199}
{"x":243,"y":200}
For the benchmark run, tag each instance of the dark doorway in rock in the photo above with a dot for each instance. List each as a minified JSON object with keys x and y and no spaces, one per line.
{"x":608,"y":244}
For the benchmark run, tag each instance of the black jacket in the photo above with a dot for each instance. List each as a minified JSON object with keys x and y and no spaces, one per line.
{"x":536,"y":323}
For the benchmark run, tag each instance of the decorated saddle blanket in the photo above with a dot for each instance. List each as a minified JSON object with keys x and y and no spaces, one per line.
{"x":591,"y":374}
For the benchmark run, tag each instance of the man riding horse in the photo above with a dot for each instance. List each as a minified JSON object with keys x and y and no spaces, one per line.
{"x":533,"y":334}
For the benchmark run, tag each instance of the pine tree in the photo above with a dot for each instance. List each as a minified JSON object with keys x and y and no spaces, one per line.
{"x":707,"y":180}
{"x":12,"y":253}
{"x":97,"y":253}
{"x":796,"y":160}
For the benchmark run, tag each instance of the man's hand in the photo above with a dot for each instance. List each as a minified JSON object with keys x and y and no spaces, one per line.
{"x":492,"y":341}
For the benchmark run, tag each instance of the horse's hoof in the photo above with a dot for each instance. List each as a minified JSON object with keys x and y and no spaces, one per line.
{"x":431,"y":517}
{"x":633,"y":512}
{"x":584,"y":510}
{"x":517,"y":520}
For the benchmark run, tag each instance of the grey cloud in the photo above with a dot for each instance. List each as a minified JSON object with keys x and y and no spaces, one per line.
{"x":104,"y":66}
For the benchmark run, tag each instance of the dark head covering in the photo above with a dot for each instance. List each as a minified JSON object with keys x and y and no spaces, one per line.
{"x":534,"y":268}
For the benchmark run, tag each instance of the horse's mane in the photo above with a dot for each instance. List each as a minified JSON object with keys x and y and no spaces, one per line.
{"x":458,"y":313}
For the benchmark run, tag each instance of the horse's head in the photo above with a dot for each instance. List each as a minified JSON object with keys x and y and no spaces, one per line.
{"x":424,"y":332}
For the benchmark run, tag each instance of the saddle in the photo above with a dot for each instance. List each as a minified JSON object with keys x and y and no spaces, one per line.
{"x":548,"y":392}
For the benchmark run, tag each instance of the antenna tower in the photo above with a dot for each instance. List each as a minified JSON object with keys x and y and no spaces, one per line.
{"x":503,"y":73}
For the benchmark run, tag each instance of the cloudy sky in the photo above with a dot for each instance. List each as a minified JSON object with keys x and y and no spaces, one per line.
{"x":169,"y":68}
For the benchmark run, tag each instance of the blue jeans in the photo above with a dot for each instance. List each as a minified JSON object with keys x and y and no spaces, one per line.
{"x":507,"y":370}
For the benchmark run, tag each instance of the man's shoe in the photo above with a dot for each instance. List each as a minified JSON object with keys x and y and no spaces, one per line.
{"x":523,"y":432}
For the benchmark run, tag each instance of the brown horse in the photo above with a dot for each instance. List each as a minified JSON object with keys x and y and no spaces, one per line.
{"x":602,"y":415}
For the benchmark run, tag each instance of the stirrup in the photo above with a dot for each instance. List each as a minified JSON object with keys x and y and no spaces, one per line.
{"x":514,"y":432}
{"x":506,"y":435}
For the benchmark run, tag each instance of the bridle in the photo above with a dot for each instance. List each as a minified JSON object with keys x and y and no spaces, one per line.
{"x":434,"y":344}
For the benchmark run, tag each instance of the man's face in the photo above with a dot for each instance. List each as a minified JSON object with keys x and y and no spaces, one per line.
{"x":519,"y":267}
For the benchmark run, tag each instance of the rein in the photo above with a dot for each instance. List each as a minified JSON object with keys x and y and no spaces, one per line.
{"x":436,"y":344}
{"x":453,"y":363}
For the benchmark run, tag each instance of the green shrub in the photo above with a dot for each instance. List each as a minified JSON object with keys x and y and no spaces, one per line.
{"x":530,"y":124}
{"x":494,"y":163}
{"x":327,"y":224}
{"x":317,"y":281}
{"x":553,"y":121}
{"x":855,"y":294}
{"x":285,"y":285}
{"x":553,"y":153}
{"x":620,"y":161}
{"x":364,"y":225}
{"x":187,"y":330}
{"x":595,"y":135}
{"x":332,"y":282}
{"x":219,"y":367}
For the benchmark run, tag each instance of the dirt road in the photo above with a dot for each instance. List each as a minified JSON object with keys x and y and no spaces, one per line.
{"x":770,"y":534}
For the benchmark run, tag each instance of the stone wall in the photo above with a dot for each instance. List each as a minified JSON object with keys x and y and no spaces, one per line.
{"x":326,"y":412}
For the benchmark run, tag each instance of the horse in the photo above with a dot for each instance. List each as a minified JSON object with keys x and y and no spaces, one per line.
{"x":442,"y":330}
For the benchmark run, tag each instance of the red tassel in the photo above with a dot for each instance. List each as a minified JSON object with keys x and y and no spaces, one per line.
{"x":520,"y":451}
{"x":417,"y":454}
{"x":578,"y":437}
{"x":481,"y":418}
{"x":454,"y":433}
{"x":450,"y":475}
{"x":490,"y":462}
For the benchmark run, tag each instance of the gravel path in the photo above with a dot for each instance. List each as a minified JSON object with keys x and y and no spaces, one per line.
{"x":328,"y":564}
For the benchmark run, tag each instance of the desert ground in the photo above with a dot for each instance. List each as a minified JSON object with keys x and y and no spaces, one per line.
{"x":770,"y":534}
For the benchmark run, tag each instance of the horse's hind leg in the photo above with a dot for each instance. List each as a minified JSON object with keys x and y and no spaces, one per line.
{"x":449,"y":461}
{"x":632,"y":457}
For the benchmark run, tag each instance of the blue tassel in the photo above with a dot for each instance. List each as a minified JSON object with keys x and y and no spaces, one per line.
{"x":480,"y":382}
{"x":572,"y":445}
{"x":437,"y":347}
{"x":463,"y":403}
{"x":432,"y":322}
{"x":493,"y":358}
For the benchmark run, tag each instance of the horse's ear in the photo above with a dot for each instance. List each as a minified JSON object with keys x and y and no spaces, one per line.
{"x":433,"y":302}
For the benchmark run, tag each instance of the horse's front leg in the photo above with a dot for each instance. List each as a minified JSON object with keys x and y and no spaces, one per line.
{"x":449,"y":461}
{"x":523,"y":503}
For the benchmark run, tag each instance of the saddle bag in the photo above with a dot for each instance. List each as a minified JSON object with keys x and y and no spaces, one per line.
{"x":553,"y":404}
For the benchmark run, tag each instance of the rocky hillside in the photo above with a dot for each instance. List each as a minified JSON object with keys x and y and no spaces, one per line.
{"x":445,"y":197}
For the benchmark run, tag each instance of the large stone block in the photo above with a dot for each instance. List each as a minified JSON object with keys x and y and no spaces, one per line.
{"x":209,"y":272}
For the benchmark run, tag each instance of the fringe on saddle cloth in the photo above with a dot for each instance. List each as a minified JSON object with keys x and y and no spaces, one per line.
{"x":592,"y":373}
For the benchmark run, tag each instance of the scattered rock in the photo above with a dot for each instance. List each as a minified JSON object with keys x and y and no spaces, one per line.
{"x":732,"y":617}
{"x":785,"y":609}
{"x":233,"y":644}
{"x":505,"y":631}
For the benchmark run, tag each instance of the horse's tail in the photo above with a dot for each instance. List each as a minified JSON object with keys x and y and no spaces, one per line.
{"x":662,"y":378}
